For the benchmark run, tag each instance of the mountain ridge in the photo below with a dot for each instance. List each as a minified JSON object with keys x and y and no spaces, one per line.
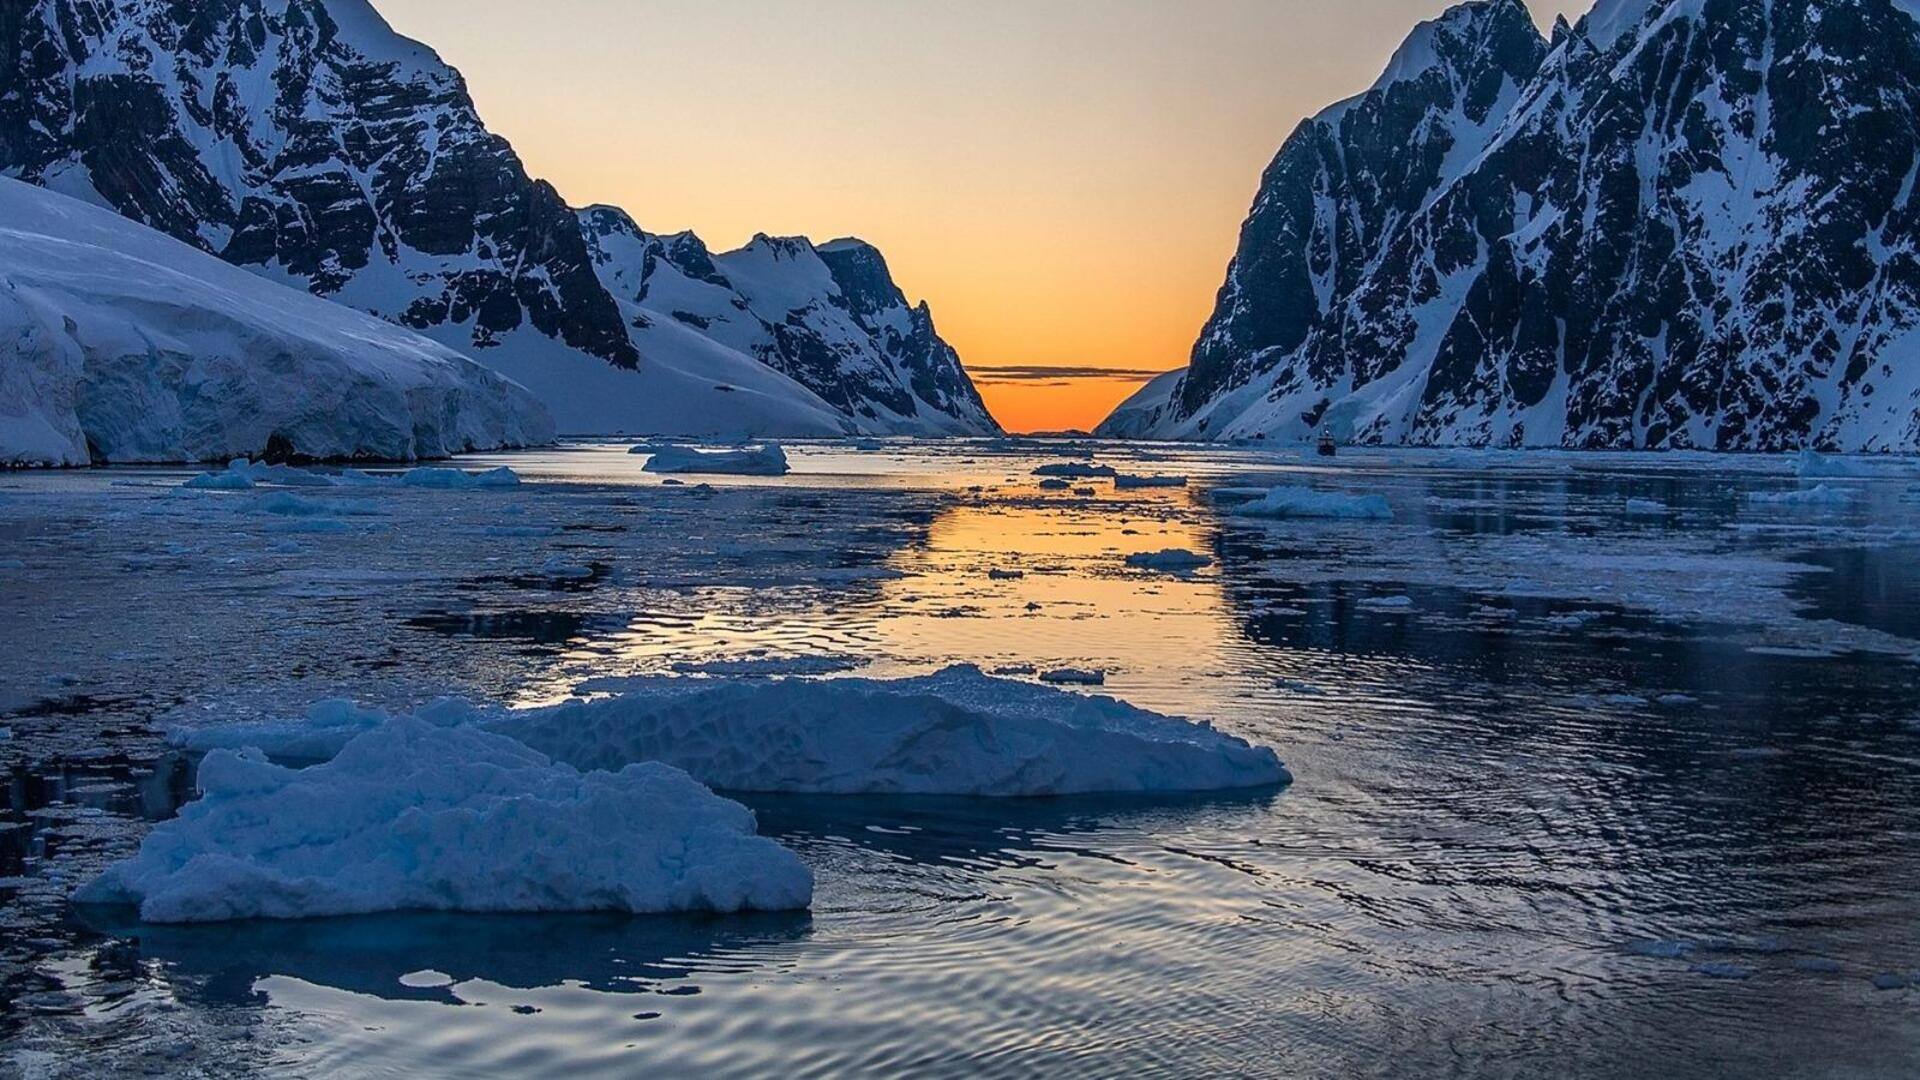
{"x":1690,"y":226}
{"x":309,"y":142}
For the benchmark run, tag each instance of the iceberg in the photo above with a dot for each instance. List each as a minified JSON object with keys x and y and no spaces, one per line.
{"x":1819,"y":495}
{"x":414,"y":816}
{"x":768,"y":460}
{"x":957,"y":732}
{"x":1125,"y":481}
{"x":241,"y":474}
{"x":1302,"y":502}
{"x":1076,"y":470}
{"x":1172,"y":559}
{"x":459,"y":480}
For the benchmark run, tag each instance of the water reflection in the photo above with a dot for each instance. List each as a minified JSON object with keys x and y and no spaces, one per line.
{"x":1582,"y":790}
{"x":221,"y":963}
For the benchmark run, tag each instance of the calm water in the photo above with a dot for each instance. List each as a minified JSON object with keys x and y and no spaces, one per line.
{"x":1581,"y":790}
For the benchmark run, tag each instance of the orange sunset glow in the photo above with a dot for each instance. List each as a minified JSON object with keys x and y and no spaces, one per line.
{"x":1063,"y":182}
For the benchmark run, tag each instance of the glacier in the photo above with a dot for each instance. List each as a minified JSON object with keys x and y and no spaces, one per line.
{"x":129,"y":346}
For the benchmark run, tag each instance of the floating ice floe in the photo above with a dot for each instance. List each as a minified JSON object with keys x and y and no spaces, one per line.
{"x":1387,"y":603}
{"x":287,"y":504}
{"x":241,"y":474}
{"x":1172,"y":559}
{"x":1288,"y":501}
{"x":1811,"y":464}
{"x":997,"y":574}
{"x":1816,"y":496}
{"x":1054,"y":485}
{"x":327,"y":727}
{"x":958,"y":732}
{"x":1076,"y":470}
{"x":459,"y":480}
{"x":768,"y":460}
{"x":1646,"y":508}
{"x":560,"y":568}
{"x":1123,"y":481}
{"x":413,"y":816}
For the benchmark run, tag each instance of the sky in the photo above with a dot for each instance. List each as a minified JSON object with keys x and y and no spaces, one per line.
{"x":1062,"y":180}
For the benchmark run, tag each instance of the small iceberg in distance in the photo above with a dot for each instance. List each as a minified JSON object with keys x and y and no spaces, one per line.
{"x":1173,"y":560}
{"x":1287,"y":501}
{"x":1128,"y":481}
{"x":767,"y":460}
{"x":1077,"y":470}
{"x":415,"y":816}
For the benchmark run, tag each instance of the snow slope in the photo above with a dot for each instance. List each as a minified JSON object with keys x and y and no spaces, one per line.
{"x":126,"y":345}
{"x":412,"y":816}
{"x":1675,"y":224}
{"x":310,"y":143}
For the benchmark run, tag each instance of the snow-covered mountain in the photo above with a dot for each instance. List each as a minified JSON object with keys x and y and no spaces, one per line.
{"x":308,"y":142}
{"x":125,"y":345}
{"x":829,"y":317}
{"x":1677,"y":223}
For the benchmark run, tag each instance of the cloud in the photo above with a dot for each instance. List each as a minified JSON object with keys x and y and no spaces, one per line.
{"x":1020,"y":373}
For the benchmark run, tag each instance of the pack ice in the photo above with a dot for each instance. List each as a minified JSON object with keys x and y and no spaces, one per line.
{"x":957,"y":732}
{"x":415,"y":816}
{"x":124,"y":345}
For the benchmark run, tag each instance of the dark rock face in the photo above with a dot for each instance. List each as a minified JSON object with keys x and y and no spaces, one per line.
{"x":274,"y":136}
{"x":1680,"y":223}
{"x":307,"y":141}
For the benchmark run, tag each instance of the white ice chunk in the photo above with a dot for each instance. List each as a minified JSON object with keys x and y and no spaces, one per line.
{"x":411,"y":816}
{"x":1078,"y":470}
{"x":1818,"y":496}
{"x":958,"y":732}
{"x":1124,"y":481}
{"x":1303,"y":502}
{"x":1174,"y":560}
{"x":768,"y":460}
{"x":327,"y":727}
{"x":459,"y":480}
{"x":559,"y":568}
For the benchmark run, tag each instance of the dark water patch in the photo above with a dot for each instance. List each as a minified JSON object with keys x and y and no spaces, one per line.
{"x":545,"y":628}
{"x":1874,"y":587}
{"x":657,"y":955}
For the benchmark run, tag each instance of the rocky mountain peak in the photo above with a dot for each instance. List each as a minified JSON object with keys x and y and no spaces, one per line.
{"x":1691,"y":225}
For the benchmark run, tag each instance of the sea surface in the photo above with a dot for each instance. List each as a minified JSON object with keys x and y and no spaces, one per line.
{"x":1584,"y":787}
